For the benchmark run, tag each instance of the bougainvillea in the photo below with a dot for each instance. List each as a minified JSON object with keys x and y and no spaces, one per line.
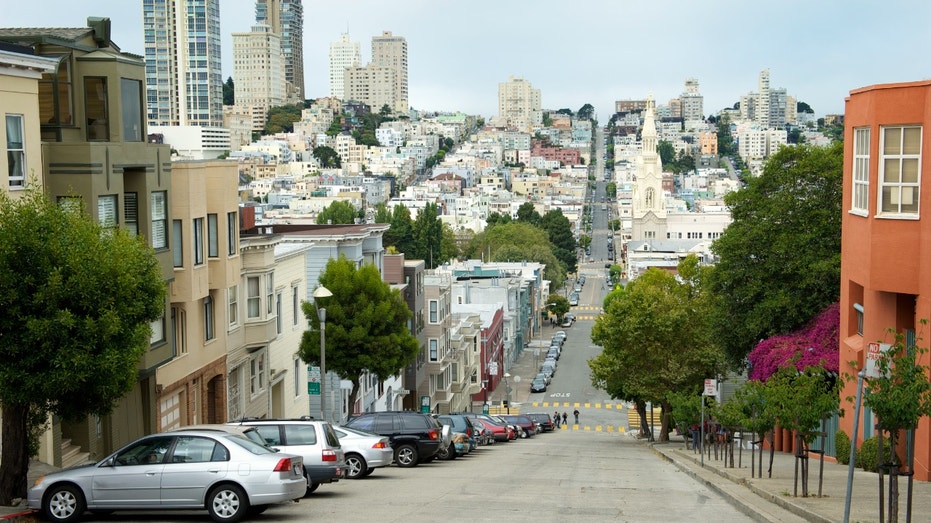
{"x":815,"y":345}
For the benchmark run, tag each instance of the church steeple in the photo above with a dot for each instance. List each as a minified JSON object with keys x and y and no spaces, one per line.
{"x":648,"y":136}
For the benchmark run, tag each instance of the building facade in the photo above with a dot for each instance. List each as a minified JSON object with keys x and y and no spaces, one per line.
{"x":520,"y":104}
{"x":183,"y":78}
{"x":258,"y":72}
{"x":344,"y":54}
{"x":286,"y":19}
{"x":885,"y":283}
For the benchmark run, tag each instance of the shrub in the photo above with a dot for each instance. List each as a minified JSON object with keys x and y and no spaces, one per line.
{"x":842,"y":447}
{"x":868,"y":455}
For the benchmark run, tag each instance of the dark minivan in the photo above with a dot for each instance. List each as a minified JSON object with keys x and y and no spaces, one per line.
{"x":415,"y":437}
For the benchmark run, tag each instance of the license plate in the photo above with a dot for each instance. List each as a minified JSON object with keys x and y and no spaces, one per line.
{"x":297,"y":470}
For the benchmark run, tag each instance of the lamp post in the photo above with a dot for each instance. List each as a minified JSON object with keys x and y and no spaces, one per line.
{"x":319,"y":293}
{"x":507,"y":391}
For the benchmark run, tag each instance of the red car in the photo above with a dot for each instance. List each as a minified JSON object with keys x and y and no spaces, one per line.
{"x":500,"y":429}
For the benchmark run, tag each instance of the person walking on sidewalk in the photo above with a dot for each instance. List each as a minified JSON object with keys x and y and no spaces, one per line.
{"x":556,"y":419}
{"x":565,"y":419}
{"x":576,"y":414}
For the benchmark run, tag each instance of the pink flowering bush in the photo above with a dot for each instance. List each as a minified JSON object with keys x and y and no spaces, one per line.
{"x":815,"y":345}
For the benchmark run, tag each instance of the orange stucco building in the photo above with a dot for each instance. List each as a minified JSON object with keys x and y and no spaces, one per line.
{"x":885,"y":275}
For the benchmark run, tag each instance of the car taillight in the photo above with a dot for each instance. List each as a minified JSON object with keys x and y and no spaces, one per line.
{"x":469,"y":432}
{"x":380,"y":445}
{"x":434,"y":434}
{"x":329,"y":455}
{"x":284,"y":465}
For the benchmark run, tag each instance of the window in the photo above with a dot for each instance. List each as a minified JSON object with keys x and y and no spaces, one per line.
{"x":899,"y":168}
{"x":106,"y":210}
{"x":278,"y":312}
{"x":858,"y":310}
{"x":269,"y":294}
{"x":300,"y":434}
{"x":861,"y":170}
{"x":55,"y":97}
{"x":177,"y":249}
{"x":213,"y":243}
{"x":208,"y":319}
{"x":433,"y":311}
{"x":257,"y":372}
{"x":434,"y":349}
{"x":158,"y":331}
{"x":295,"y":304}
{"x":131,"y":212}
{"x":131,"y":109}
{"x":159,"y":220}
{"x":232,"y":226}
{"x":15,"y":150}
{"x":253,"y":298}
{"x":233,"y":297}
{"x":95,"y":108}
{"x":198,"y":241}
{"x":296,"y":372}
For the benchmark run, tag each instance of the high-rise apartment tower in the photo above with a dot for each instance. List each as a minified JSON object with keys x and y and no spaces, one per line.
{"x":286,"y":18}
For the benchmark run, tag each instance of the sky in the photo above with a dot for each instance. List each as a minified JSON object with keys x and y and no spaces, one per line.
{"x":583,"y":51}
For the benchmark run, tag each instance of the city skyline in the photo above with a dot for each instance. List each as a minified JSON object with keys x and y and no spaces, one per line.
{"x":592,"y":51}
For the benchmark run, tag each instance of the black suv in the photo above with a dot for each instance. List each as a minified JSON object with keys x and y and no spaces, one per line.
{"x":415,"y":437}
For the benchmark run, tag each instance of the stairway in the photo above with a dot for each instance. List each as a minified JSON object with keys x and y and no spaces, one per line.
{"x":71,"y":455}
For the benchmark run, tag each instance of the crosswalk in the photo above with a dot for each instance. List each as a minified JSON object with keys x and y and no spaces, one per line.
{"x":586,"y":312}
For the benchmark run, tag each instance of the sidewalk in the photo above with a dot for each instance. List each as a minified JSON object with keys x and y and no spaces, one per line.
{"x":21,"y":511}
{"x":771,"y":499}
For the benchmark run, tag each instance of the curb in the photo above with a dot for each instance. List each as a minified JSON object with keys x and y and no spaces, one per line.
{"x":18,"y":515}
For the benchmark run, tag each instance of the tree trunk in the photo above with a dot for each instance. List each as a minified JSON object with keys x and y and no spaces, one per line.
{"x":772,"y":452}
{"x":893,"y":478}
{"x":664,"y":424}
{"x":644,"y":424}
{"x":353,"y":395}
{"x":14,"y":460}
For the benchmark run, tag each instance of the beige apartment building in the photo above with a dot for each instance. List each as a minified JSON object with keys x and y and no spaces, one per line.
{"x":520,"y":104}
{"x":383,"y":81}
{"x":258,"y":72}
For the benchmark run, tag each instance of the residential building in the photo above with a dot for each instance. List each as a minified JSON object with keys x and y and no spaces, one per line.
{"x":383,"y":81}
{"x":344,"y":54}
{"x":884,"y":281}
{"x":183,"y":78}
{"x":94,"y":148}
{"x":692,"y":101}
{"x":192,"y":142}
{"x":519,"y":104}
{"x":286,"y":19}
{"x":258,"y":72}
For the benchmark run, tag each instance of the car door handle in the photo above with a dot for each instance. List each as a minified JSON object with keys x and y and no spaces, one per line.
{"x":213,"y":471}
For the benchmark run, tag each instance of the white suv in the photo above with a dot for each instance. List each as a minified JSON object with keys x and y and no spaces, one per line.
{"x":316,"y":441}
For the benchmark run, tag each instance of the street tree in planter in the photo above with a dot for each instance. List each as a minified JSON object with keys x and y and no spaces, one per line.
{"x":899,"y":398}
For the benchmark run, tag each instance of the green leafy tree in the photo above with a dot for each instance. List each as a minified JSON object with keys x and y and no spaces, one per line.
{"x":611,"y":189}
{"x":518,"y":241}
{"x":280,"y":119}
{"x":229,"y":92}
{"x":779,"y":260}
{"x":382,"y":215}
{"x":559,"y":230}
{"x":655,"y":315}
{"x":899,"y":398}
{"x":79,"y":300}
{"x":401,"y":231}
{"x":428,"y":237}
{"x":496,"y":218}
{"x":586,"y":112}
{"x":327,"y":156}
{"x":335,"y":128}
{"x":584,"y":241}
{"x":667,"y":153}
{"x":366,"y":325}
{"x":557,"y":305}
{"x":340,"y":211}
{"x":726,"y":145}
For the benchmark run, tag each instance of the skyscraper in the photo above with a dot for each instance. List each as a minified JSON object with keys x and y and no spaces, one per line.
{"x":258,"y":72}
{"x":383,"y":81}
{"x":184,"y":84}
{"x":520,"y":104}
{"x":391,"y":52}
{"x":343,"y":55}
{"x":286,"y":18}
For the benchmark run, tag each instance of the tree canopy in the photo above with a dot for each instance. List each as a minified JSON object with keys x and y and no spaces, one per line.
{"x":327,"y":156}
{"x":366,"y":325}
{"x":518,"y":241}
{"x":79,"y":300}
{"x":339,"y":211}
{"x":779,"y":259}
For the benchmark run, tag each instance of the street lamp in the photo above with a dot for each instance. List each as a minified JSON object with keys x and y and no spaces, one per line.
{"x":507,"y":391}
{"x":319,"y":293}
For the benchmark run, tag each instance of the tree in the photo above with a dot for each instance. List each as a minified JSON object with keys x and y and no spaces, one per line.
{"x":340,"y":211}
{"x":366,"y":325}
{"x":557,"y":305}
{"x":229,"y":92}
{"x":495,"y":218}
{"x":401,"y":231}
{"x":559,"y":230}
{"x":428,"y":237}
{"x":586,"y":112}
{"x":527,"y":213}
{"x":667,"y":153}
{"x":779,"y":259}
{"x":327,"y":156}
{"x":656,"y":333}
{"x":281,"y":118}
{"x":79,"y":300}
{"x":611,"y":189}
{"x":517,"y":241}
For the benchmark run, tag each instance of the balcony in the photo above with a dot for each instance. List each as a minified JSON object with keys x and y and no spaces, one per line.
{"x":260,"y":332}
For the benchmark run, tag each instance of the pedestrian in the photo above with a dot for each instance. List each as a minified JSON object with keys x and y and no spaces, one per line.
{"x":565,"y":419}
{"x":556,"y":418}
{"x":576,"y":414}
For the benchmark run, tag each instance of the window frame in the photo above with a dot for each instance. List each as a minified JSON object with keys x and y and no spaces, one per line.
{"x":213,"y":241}
{"x":16,"y":151}
{"x":433,"y":349}
{"x":232,"y":224}
{"x":900,"y":157}
{"x":159,"y":213}
{"x":198,"y":231}
{"x":108,"y":211}
{"x":255,"y":299}
{"x":210,"y":332}
{"x":434,"y":311}
{"x":131,"y":110}
{"x":860,"y":172}
{"x":232,"y":300}
{"x":98,"y":118}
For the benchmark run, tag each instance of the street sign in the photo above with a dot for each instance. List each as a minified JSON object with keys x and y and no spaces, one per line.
{"x":873,"y":353}
{"x":313,"y":380}
{"x":425,"y":404}
{"x":711,"y":387}
{"x":313,"y":388}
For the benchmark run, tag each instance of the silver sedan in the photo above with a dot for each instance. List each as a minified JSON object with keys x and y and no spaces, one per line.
{"x":226,"y":474}
{"x":365,"y":451}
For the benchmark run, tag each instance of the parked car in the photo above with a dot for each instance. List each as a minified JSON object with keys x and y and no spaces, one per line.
{"x":463,"y":440}
{"x":365,"y":451}
{"x":485,"y":436}
{"x":561,"y":334}
{"x":314,"y":440}
{"x":500,"y":428}
{"x":566,"y":321}
{"x":543,"y":420}
{"x":227,"y":474}
{"x":544,"y":377}
{"x":574,"y":299}
{"x":553,"y":353}
{"x":538,"y":385}
{"x":415,"y":437}
{"x":547,"y":373}
{"x":526,"y":425}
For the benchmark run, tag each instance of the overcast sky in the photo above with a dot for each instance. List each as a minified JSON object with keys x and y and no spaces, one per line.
{"x":584,"y":51}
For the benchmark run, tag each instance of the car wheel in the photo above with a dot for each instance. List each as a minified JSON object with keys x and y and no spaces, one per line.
{"x":367,"y":473}
{"x":357,"y":466}
{"x":63,"y":504}
{"x":523,"y":433}
{"x":311,"y":486}
{"x":227,"y":504}
{"x":406,"y":456}
{"x":255,"y":510}
{"x":450,"y":453}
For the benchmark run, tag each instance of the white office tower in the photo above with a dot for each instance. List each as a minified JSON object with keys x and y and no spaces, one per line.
{"x":184,"y":84}
{"x":692,"y":101}
{"x":343,"y":54}
{"x":520,"y":104}
{"x":763,"y":101}
{"x":286,"y":18}
{"x":258,"y":72}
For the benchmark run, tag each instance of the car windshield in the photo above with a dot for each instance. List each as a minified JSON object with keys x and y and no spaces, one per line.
{"x":249,"y":445}
{"x":342,"y":431}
